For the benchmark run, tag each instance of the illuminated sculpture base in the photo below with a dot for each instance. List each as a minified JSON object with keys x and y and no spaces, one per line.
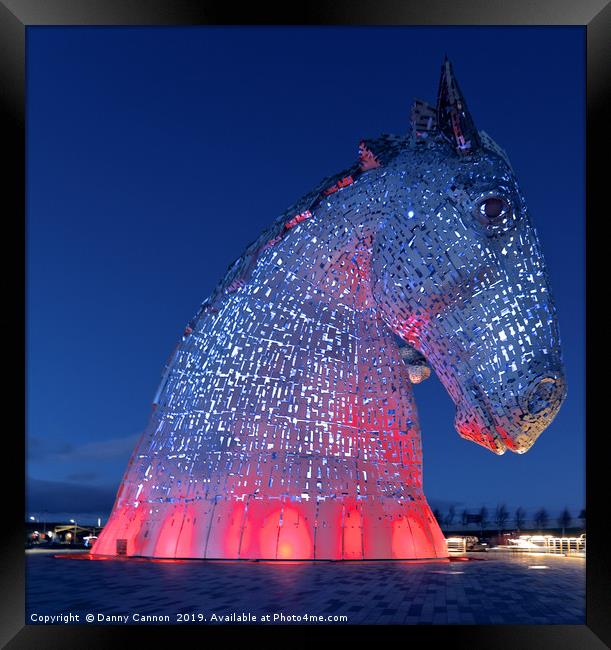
{"x":278,"y":529}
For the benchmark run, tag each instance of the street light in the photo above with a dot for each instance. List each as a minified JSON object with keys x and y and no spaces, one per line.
{"x":74,"y":522}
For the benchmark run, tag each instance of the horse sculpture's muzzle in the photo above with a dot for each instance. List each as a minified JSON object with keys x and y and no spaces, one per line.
{"x":511,"y":420}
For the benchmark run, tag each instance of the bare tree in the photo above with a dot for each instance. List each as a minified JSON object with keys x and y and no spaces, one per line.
{"x":437,"y":514}
{"x":519,"y":518}
{"x":465,"y":517}
{"x":541,"y":518}
{"x":501,"y":514}
{"x":564,"y":520}
{"x":450,"y":516}
{"x":582,"y":516}
{"x":483,"y":518}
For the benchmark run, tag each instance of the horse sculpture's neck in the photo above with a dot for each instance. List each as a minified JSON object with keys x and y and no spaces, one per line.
{"x":301,"y":376}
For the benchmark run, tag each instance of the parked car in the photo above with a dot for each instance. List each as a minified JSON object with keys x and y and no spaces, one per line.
{"x":474,"y":544}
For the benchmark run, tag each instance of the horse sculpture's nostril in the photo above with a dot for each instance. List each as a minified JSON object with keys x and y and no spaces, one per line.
{"x":545,"y":394}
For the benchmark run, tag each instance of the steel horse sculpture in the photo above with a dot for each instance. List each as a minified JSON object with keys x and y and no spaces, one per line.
{"x":285,"y":425}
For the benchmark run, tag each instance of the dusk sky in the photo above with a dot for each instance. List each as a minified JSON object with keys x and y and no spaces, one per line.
{"x":155,"y":155}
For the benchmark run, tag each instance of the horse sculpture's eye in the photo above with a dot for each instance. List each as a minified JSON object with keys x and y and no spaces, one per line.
{"x":492,"y":210}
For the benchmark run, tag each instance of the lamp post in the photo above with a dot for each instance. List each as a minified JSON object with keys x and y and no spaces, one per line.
{"x":74,"y":522}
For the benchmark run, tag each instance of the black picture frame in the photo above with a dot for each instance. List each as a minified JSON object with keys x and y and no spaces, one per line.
{"x":16,"y":16}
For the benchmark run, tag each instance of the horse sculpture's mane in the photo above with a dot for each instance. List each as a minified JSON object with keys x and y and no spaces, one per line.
{"x":373,"y":152}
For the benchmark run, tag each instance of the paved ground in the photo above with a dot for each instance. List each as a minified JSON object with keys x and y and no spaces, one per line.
{"x":489,"y":588}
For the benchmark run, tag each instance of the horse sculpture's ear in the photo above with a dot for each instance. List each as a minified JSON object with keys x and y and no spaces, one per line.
{"x":453,"y":118}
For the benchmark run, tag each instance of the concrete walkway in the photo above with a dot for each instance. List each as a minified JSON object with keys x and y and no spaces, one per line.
{"x":489,"y":588}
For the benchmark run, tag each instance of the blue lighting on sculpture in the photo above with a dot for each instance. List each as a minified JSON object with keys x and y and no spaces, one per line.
{"x":285,"y":425}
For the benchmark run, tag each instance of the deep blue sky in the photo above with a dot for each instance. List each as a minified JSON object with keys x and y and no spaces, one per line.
{"x":155,"y":155}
